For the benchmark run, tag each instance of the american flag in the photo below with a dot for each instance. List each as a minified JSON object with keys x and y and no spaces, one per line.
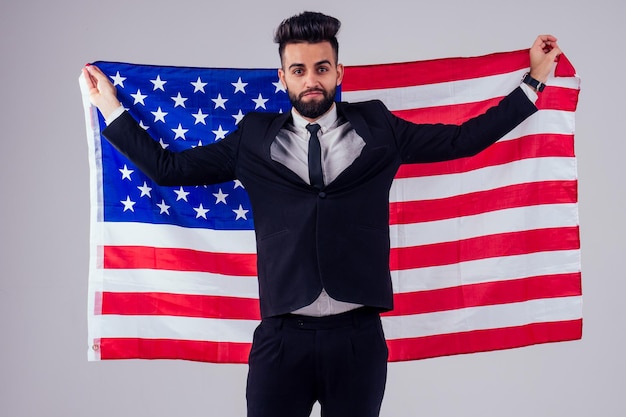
{"x":485,"y":250}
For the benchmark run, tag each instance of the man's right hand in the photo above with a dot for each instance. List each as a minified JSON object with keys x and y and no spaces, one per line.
{"x":102,"y":92}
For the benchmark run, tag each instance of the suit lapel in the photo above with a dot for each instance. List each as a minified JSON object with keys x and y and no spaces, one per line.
{"x":357,"y":121}
{"x":369,"y":155}
{"x":277,"y":124}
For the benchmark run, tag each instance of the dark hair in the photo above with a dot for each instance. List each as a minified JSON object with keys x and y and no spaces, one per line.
{"x":309,"y":27}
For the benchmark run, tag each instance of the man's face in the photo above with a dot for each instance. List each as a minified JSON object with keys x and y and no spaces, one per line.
{"x":311,"y":75}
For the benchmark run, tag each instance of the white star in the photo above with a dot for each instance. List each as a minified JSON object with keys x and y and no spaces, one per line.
{"x":238,"y":184}
{"x":163,"y":144}
{"x":164,"y":207}
{"x":240,"y":86}
{"x":139,"y":97}
{"x":220,"y":197}
{"x":201,"y":211}
{"x":145,"y":190}
{"x":199,"y":144}
{"x":128,"y":204}
{"x":219,"y":101}
{"x":200,"y":117}
{"x":260,"y":102}
{"x":179,"y":100}
{"x":198,"y":85}
{"x":159,"y":115}
{"x":143,"y":126}
{"x":220,"y":133}
{"x":279,"y":87}
{"x":118,"y":79}
{"x":238,"y":117}
{"x":181,"y":194}
{"x":158,"y":83}
{"x":241,"y":213}
{"x":126,"y":172}
{"x":180,"y":132}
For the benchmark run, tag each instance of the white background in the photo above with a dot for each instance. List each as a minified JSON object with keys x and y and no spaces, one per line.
{"x":44,"y":199}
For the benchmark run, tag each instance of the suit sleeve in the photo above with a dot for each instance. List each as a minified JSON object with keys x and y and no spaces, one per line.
{"x":439,"y":142}
{"x":208,"y":164}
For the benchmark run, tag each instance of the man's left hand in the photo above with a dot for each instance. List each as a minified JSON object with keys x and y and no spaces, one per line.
{"x":543,"y":55}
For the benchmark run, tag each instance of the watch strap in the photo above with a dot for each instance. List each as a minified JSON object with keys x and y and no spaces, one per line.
{"x":534,"y":83}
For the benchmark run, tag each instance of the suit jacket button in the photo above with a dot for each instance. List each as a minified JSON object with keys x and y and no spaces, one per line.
{"x":322,"y":195}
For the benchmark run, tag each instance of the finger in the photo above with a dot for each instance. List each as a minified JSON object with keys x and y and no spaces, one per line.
{"x":90,"y":79}
{"x":544,"y":43}
{"x":555,"y":52}
{"x":547,"y":38}
{"x":551,"y":46}
{"x":87,"y":77}
{"x":97,"y":74}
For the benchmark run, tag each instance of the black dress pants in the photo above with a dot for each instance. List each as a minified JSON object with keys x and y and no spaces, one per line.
{"x":339,"y":360}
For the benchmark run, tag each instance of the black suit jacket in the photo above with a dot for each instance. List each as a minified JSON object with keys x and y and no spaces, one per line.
{"x":307,"y":239}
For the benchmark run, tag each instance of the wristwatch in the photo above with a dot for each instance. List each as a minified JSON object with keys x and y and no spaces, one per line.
{"x":536,"y":84}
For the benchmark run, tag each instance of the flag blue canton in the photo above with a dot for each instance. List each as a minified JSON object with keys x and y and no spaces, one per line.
{"x":184,"y":108}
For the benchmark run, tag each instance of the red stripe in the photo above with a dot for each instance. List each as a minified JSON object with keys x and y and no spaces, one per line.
{"x":485,"y":294}
{"x":176,"y":259}
{"x":202,"y":306}
{"x":525,"y":147}
{"x":191,"y":350}
{"x":372,"y":77}
{"x":491,"y":246}
{"x":553,"y":98}
{"x":514,"y":243}
{"x":558,"y":98}
{"x":512,"y":196}
{"x":399,"y":350}
{"x":453,"y":114}
{"x":483,"y":340}
{"x":185,"y":305}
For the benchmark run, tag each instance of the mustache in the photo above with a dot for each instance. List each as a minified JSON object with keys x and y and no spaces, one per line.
{"x":312,"y":90}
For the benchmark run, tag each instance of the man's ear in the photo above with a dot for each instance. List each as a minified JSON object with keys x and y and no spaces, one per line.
{"x":281,"y":77}
{"x":339,"y":74}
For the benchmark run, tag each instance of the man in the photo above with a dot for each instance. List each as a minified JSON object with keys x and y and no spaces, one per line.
{"x":318,"y":180}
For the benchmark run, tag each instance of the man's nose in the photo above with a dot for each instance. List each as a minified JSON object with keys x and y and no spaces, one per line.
{"x":311,"y":80}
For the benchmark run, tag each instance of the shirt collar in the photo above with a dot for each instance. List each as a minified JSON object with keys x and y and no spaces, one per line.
{"x":326,"y":121}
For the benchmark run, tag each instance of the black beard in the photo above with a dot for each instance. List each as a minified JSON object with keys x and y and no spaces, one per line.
{"x":313,"y":109}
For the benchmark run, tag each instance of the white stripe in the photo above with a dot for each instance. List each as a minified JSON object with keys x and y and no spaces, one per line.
{"x":564,"y":82}
{"x":451,"y":92}
{"x":490,"y":223}
{"x":481,"y":318}
{"x":486,"y":270}
{"x":440,"y":94}
{"x":557,"y":122}
{"x":419,"y":279}
{"x":169,"y":327}
{"x":162,"y":235}
{"x":488,"y":178}
{"x":179,"y":282}
{"x":410,"y":280}
{"x":395,"y":327}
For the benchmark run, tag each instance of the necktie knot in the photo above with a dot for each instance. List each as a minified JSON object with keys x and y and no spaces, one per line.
{"x":316,"y":175}
{"x":313,"y":128}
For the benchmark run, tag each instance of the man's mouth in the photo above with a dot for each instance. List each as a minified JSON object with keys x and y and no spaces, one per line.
{"x":311,"y":93}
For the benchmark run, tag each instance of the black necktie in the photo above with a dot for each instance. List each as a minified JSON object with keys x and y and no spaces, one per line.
{"x":315,"y":157}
